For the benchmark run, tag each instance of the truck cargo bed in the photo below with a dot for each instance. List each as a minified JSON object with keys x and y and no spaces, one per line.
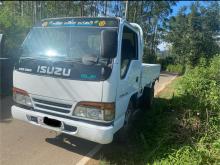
{"x":150,"y":73}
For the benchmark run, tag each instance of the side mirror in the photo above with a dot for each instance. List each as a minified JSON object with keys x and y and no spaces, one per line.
{"x":109,"y":43}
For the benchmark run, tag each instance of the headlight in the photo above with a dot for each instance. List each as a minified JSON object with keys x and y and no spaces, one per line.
{"x":96,"y":111}
{"x":21,"y":97}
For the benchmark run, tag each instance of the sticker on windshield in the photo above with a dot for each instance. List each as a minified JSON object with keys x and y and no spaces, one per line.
{"x":100,"y":22}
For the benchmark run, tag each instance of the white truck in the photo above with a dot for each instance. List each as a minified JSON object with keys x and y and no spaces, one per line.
{"x":83,"y":77}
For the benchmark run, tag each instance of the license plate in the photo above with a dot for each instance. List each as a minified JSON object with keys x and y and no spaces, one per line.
{"x":52,"y":122}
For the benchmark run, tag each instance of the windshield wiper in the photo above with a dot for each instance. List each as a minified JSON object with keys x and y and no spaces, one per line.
{"x":72,"y":59}
{"x":34,"y":58}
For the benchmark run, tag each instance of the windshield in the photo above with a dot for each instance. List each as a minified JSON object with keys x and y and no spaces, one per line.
{"x":65,"y":42}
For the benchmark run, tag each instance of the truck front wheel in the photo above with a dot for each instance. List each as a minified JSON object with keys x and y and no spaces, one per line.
{"x":122,"y":135}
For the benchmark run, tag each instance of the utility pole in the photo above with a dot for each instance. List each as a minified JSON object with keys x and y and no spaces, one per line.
{"x":126,"y":9}
{"x":106,"y":5}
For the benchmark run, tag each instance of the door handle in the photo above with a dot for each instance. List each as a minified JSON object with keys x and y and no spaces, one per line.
{"x":137,"y":79}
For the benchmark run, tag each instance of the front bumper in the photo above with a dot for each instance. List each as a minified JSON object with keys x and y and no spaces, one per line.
{"x":99,"y":134}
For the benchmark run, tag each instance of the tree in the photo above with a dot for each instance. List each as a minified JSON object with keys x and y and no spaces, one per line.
{"x":150,"y":15}
{"x":13,"y":26}
{"x":192,"y":34}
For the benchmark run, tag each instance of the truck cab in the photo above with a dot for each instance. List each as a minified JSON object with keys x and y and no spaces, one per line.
{"x":82,"y":76}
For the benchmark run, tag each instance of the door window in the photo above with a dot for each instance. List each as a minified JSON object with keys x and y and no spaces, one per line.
{"x":129,"y":49}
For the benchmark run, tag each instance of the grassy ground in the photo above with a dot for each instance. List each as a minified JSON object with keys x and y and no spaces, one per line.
{"x":166,"y":134}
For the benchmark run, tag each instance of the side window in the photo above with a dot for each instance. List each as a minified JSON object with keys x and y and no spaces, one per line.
{"x":129,"y":49}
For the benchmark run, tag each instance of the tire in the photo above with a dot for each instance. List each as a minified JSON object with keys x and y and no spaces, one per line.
{"x":122,"y":136}
{"x":147,"y":97}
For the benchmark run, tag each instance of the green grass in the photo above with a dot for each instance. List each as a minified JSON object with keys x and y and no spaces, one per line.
{"x":167,"y":134}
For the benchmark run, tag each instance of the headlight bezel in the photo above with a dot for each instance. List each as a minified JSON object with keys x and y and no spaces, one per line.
{"x":107,"y":110}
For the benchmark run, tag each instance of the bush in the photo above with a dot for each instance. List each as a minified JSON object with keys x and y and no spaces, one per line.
{"x":164,"y":62}
{"x":198,"y":97}
{"x":180,"y":69}
{"x":202,"y":86}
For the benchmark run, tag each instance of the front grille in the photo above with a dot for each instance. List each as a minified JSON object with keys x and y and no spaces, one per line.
{"x":51,"y":106}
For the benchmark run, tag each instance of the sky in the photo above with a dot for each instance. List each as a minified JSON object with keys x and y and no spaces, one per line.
{"x":179,"y":5}
{"x":185,"y":3}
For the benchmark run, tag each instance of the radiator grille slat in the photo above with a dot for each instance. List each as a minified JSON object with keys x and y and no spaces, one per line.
{"x":52,"y":103}
{"x":52,"y":106}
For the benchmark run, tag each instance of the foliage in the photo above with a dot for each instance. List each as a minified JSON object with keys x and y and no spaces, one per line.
{"x":193,"y":35}
{"x":202,"y":84}
{"x":14,"y":27}
{"x":178,"y":68}
{"x":164,"y":62}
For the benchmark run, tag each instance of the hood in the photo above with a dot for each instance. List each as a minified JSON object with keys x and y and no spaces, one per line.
{"x":59,"y":80}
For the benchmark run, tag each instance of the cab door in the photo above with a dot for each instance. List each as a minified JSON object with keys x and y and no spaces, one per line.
{"x":130,"y":69}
